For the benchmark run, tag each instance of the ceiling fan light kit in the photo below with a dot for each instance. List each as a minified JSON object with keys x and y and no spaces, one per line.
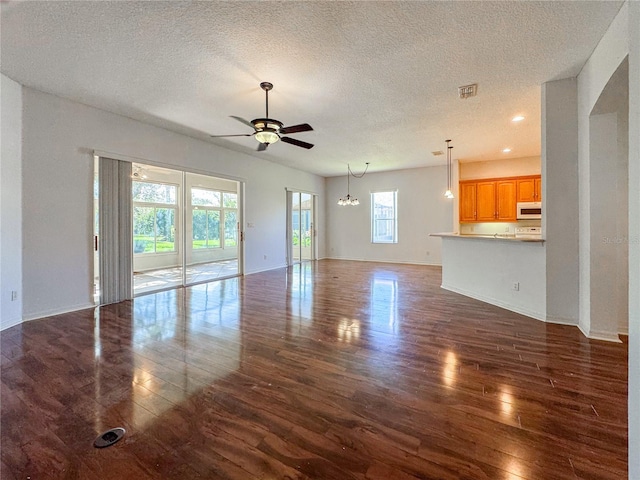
{"x":268,"y":130}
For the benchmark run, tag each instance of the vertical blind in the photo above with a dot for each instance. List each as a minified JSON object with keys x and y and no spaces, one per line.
{"x":116,"y":238}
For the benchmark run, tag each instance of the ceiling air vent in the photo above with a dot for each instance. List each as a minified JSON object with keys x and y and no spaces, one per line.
{"x":439,"y":152}
{"x":467,"y":91}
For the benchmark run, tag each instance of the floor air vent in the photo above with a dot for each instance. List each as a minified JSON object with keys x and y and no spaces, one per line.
{"x":109,"y":437}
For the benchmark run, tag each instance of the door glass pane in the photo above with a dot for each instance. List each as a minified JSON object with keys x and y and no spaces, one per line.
{"x":230,"y":200}
{"x":230,"y":228}
{"x":154,"y":192}
{"x":203,"y":197}
{"x":143,"y":230}
{"x":295,"y":226}
{"x":165,"y":230}
{"x":305,"y":226}
{"x":199,"y":224}
{"x":213,"y":229}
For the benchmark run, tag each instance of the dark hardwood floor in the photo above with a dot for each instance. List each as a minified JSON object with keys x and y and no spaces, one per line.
{"x":333,"y":370}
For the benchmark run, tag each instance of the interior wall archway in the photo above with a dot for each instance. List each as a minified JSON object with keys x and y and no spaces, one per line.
{"x":607,"y":247}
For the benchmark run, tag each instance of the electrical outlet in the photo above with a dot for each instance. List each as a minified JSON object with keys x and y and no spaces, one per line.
{"x":14,"y":295}
{"x":506,"y":229}
{"x":516,"y":286}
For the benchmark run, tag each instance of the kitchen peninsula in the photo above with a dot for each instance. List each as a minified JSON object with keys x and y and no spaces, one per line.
{"x":498,"y":269}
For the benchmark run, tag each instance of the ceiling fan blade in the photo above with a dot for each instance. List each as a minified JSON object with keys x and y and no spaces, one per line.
{"x":297,"y":143}
{"x":262,"y":147}
{"x":303,"y":127}
{"x":242,"y":120}
{"x":239,"y":135}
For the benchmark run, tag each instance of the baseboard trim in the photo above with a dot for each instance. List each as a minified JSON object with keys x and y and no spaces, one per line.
{"x":562,"y":320}
{"x":266,"y":269}
{"x":498,"y":303}
{"x":51,"y":313}
{"x":10,"y":323}
{"x":601,"y":335}
{"x":383,"y":261}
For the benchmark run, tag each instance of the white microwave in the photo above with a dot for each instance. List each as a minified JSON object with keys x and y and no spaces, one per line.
{"x":528,"y":210}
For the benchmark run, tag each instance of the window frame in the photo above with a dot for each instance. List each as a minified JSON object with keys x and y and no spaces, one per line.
{"x":393,"y":218}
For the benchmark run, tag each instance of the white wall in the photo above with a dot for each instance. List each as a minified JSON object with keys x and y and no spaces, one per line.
{"x":486,"y":269}
{"x":634,"y":236}
{"x":422,"y":209}
{"x":59,"y":137}
{"x":511,"y":167}
{"x":10,"y":202}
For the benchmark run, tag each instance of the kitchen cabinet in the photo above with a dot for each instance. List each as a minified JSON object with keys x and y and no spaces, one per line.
{"x":529,"y":189}
{"x":468,"y":191}
{"x":506,"y":200}
{"x":488,"y":200}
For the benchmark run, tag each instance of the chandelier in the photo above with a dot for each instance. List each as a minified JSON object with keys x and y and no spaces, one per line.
{"x":349,"y":200}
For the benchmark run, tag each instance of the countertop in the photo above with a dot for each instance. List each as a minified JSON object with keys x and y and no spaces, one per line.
{"x":498,"y":236}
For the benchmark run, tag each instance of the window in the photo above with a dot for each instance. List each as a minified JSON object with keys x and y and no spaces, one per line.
{"x":154,"y":217}
{"x":384,"y":225}
{"x":214,"y":216}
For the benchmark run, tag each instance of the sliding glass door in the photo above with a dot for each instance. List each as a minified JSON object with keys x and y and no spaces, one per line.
{"x":300,"y":230}
{"x":185,"y":228}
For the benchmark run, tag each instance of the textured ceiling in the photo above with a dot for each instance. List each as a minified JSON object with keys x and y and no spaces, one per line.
{"x":377,"y":80}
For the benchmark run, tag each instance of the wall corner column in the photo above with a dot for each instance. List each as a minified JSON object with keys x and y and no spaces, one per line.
{"x":559,"y":157}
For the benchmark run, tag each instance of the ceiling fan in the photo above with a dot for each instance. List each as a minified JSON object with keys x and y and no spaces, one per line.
{"x":268,"y":131}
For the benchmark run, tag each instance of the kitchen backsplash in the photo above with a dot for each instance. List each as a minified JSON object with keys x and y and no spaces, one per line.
{"x":495,"y":227}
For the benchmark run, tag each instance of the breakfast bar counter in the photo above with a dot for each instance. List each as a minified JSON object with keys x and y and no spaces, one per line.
{"x":495,"y":236}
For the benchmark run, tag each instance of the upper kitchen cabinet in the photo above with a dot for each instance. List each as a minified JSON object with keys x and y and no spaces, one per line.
{"x":529,"y":189}
{"x":468,"y":200}
{"x":488,"y":200}
{"x":506,"y":200}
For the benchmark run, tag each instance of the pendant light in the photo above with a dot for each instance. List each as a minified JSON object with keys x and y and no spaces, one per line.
{"x":448,"y":193}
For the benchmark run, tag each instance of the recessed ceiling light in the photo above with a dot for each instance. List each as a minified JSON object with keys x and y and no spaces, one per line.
{"x":506,"y":150}
{"x":517,"y":118}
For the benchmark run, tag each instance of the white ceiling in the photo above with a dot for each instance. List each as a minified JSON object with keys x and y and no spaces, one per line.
{"x":376,"y":80}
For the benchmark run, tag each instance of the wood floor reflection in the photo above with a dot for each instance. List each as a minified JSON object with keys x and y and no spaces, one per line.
{"x":332,"y":370}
